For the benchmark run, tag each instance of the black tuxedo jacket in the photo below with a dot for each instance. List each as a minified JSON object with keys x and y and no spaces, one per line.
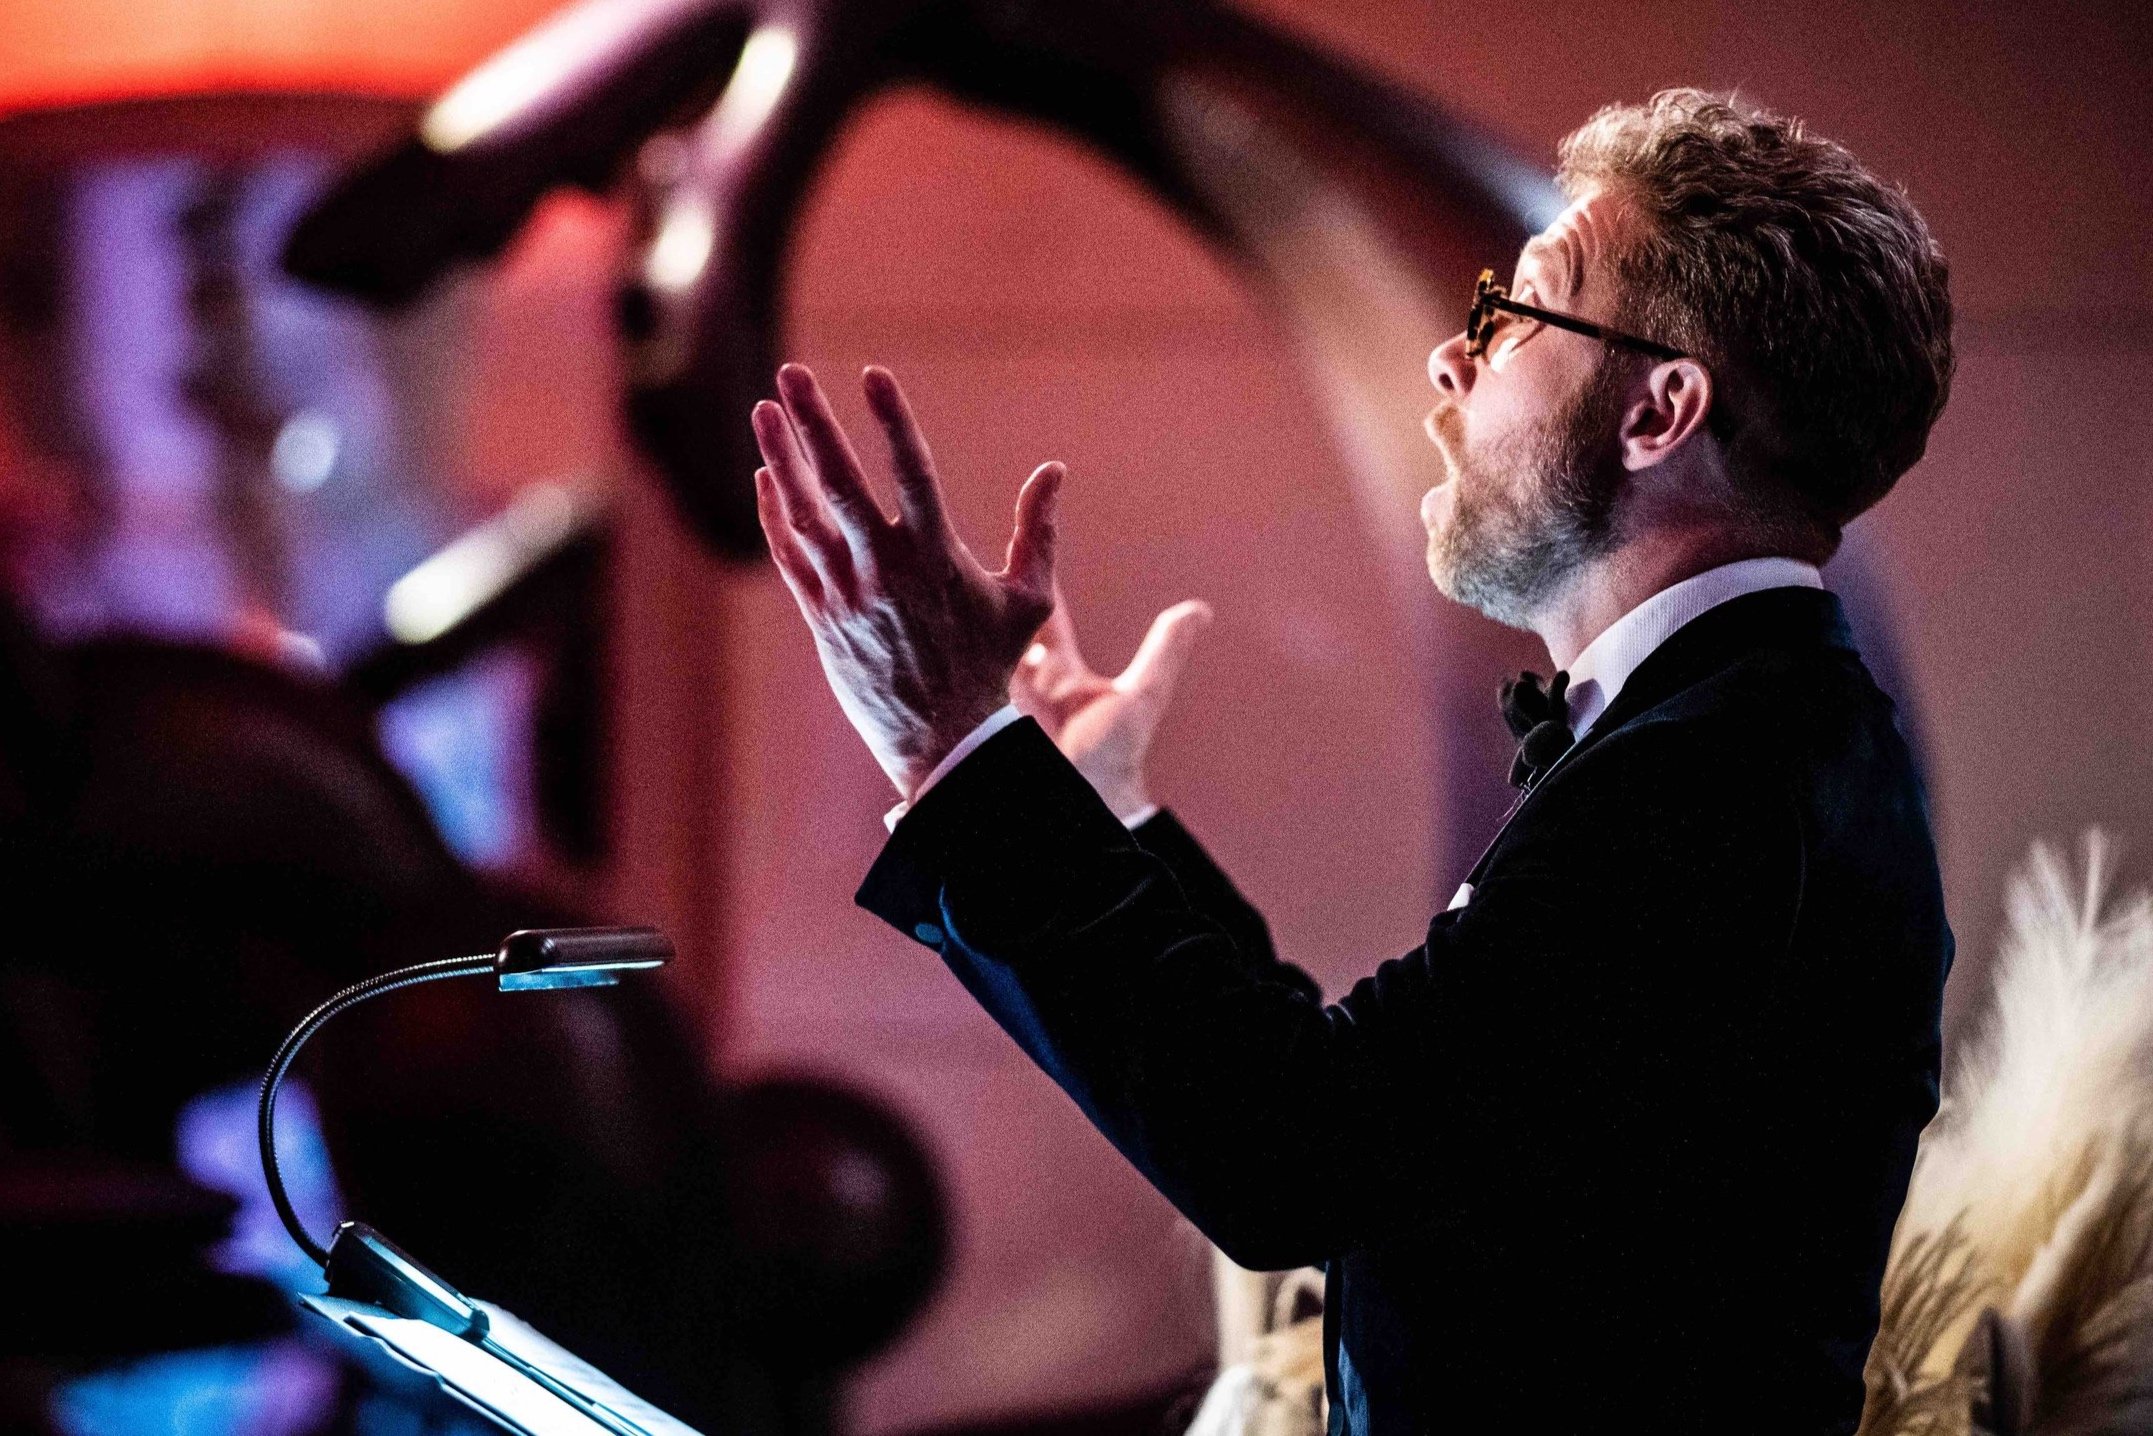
{"x":1619,"y":1147}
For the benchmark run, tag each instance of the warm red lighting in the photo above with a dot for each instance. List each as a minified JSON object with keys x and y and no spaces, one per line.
{"x":62,"y":52}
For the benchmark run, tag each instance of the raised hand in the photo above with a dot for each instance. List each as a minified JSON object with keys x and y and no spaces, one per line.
{"x":918,"y":639}
{"x":1105,"y":725}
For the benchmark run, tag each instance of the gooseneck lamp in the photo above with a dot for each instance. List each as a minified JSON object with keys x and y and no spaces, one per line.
{"x":360,"y":1263}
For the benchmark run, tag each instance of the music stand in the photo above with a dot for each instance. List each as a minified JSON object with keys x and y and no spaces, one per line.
{"x":479,"y":1354}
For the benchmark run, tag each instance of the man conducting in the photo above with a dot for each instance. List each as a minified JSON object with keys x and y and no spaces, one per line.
{"x":1621,"y":1145}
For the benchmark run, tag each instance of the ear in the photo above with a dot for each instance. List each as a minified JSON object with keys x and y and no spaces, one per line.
{"x":1667,"y":414}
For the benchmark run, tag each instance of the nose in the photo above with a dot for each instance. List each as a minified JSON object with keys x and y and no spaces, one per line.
{"x":1449,"y":370}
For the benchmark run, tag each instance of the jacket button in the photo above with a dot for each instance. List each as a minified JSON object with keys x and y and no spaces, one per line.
{"x":928,"y":933}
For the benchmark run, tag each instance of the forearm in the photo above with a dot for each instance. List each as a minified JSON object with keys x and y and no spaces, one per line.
{"x":1159,"y":832}
{"x":1284,"y":1128}
{"x":1216,"y":1071}
{"x":1211,"y":892}
{"x":1228,"y":1093}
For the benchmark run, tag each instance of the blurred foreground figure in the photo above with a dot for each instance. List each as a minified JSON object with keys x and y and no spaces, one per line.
{"x":202,"y":836}
{"x":198,"y":848}
{"x":1624,"y":1141}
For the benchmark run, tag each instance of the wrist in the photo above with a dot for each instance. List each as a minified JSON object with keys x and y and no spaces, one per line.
{"x":1125,"y":793}
{"x":915,"y":777}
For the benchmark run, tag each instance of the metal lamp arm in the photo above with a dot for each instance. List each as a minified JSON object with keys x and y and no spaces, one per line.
{"x":480,"y":964}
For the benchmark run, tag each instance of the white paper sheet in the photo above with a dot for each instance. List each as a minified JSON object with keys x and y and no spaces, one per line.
{"x":496,"y":1388}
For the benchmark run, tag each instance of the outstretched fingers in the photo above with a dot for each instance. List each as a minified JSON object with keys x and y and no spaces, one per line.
{"x":799,"y":503}
{"x":786,"y":552}
{"x":919,"y":493}
{"x":1165,"y":651}
{"x":1029,"y":564}
{"x":844,"y":483}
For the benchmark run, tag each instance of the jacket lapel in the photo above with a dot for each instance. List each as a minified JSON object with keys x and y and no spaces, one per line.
{"x":1714,"y":639}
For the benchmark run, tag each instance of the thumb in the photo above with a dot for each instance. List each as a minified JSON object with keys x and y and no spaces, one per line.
{"x":1029,"y":564}
{"x":1058,"y":636}
{"x":1165,"y":651}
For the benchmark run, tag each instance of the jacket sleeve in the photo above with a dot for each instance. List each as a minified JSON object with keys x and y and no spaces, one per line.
{"x":1283,"y":1127}
{"x":1214,"y":895}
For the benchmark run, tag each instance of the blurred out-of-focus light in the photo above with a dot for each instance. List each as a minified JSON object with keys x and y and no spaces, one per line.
{"x":758,"y":82}
{"x":683,"y":246}
{"x":304,"y":454}
{"x":217,"y":1145}
{"x":441,"y":592}
{"x":67,"y":52}
{"x":462,"y":740}
{"x":688,"y":233}
{"x":278,"y":1388}
{"x":527,"y":72}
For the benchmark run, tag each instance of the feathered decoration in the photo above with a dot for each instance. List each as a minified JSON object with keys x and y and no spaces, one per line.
{"x":2019,"y":1296}
{"x":2018,"y":1300}
{"x":1270,"y":1380}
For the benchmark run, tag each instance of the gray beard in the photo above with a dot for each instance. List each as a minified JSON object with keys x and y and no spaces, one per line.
{"x":1511,"y":548}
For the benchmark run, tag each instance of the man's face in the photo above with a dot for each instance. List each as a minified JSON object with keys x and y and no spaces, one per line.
{"x":1528,"y":431}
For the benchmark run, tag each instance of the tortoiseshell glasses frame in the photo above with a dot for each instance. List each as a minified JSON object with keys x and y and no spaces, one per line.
{"x":1489,"y":297}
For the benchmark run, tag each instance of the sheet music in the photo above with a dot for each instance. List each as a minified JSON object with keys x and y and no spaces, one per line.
{"x":494,"y":1387}
{"x":570,"y":1369}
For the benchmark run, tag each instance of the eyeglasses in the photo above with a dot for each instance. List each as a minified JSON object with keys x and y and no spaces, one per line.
{"x":1488,"y":297}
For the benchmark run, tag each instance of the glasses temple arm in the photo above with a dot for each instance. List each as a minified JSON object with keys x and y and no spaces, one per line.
{"x":1581,"y":326}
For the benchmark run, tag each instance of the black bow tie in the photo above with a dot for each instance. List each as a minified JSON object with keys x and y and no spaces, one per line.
{"x":1539,"y":718}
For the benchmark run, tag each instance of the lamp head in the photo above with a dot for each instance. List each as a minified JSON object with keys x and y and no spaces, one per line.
{"x":541,"y":959}
{"x":533,"y":960}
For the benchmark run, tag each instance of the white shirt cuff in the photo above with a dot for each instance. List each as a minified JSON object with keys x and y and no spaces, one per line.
{"x":1001,"y":718}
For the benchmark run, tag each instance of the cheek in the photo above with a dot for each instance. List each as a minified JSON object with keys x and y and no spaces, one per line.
{"x":1480,"y":449}
{"x":1509,"y":431}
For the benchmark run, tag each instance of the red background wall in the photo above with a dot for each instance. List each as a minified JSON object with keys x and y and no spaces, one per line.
{"x":1038,"y":307}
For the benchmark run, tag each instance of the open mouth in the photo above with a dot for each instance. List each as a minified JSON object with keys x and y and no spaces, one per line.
{"x":1432,"y":502}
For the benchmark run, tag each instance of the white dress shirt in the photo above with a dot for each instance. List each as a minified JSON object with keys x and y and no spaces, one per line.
{"x":1001,"y":718}
{"x":1596,"y":675}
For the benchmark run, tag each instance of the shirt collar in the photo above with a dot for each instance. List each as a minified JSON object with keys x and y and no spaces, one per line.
{"x":1599,"y":672}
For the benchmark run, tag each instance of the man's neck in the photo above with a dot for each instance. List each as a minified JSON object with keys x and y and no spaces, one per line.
{"x":1609,"y":587}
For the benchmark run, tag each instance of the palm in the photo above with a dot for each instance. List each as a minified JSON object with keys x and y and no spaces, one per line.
{"x":1105,"y":725}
